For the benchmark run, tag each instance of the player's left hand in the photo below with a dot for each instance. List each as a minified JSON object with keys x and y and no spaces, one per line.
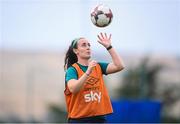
{"x":104,"y":39}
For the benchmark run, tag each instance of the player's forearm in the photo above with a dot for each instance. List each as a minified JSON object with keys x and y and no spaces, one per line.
{"x":75,"y":85}
{"x":117,"y":61}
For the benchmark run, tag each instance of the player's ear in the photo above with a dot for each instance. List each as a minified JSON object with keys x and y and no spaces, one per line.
{"x":75,"y":51}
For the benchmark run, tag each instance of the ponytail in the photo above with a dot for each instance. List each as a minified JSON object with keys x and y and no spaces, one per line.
{"x":71,"y":57}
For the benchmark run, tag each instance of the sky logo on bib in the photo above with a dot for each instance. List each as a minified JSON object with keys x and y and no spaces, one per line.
{"x":93,"y":96}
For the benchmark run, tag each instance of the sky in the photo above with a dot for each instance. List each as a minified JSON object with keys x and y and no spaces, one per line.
{"x":145,"y":26}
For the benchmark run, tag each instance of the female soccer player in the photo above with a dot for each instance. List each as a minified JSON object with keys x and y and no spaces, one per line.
{"x":86,"y":95}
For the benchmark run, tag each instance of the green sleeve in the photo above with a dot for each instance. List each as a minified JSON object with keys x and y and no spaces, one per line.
{"x":103,"y":67}
{"x":71,"y":73}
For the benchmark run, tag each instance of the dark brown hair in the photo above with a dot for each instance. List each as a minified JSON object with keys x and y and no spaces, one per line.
{"x":71,"y":57}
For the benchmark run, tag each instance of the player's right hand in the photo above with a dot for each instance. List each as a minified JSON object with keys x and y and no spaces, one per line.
{"x":91,"y":65}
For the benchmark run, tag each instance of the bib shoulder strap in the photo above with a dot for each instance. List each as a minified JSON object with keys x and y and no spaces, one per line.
{"x":99,"y":68}
{"x":78,"y":69}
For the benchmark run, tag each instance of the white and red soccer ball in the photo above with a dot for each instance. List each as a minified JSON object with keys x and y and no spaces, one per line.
{"x":101,"y":16}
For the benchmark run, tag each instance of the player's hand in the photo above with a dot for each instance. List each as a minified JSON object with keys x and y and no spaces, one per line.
{"x":104,"y":39}
{"x":91,"y":65}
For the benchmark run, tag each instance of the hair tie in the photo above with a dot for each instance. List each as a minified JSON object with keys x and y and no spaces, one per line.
{"x":75,"y":42}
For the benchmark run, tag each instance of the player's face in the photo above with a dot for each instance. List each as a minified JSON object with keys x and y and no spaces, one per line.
{"x":83,"y":49}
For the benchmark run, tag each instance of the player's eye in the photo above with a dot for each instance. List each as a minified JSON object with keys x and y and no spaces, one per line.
{"x":84,"y":44}
{"x":89,"y":44}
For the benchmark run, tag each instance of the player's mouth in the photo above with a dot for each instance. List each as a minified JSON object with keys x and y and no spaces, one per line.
{"x":88,"y":52}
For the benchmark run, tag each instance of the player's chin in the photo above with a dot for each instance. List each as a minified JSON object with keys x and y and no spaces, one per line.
{"x":88,"y":57}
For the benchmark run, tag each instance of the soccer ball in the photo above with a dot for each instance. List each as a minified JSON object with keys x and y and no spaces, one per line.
{"x":101,"y":16}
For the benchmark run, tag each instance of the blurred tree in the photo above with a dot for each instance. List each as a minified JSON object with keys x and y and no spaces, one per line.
{"x":140,"y":82}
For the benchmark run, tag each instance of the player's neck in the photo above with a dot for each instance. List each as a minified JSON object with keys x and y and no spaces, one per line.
{"x":83,"y":62}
